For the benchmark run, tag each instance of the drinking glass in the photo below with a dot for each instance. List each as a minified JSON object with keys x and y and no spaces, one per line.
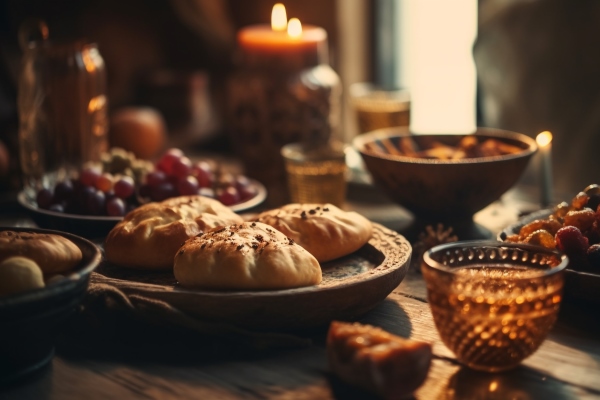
{"x":377,"y":108}
{"x":316,"y":174}
{"x":62,"y":107}
{"x":493,"y":303}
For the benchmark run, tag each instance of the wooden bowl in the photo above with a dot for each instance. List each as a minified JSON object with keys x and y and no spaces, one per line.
{"x":442,"y":189}
{"x":31,"y":320}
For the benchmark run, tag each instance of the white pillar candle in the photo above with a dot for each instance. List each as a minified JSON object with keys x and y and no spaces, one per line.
{"x":544,"y":142}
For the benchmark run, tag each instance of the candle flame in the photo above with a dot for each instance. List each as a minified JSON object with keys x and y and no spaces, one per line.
{"x":294,"y":28}
{"x":544,"y":139}
{"x":278,"y":18}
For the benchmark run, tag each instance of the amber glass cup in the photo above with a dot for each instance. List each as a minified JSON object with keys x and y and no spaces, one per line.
{"x":316,"y":174}
{"x":493,"y":303}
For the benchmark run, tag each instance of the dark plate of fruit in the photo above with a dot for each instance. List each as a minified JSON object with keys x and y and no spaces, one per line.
{"x":573,"y":228}
{"x":91,"y":202}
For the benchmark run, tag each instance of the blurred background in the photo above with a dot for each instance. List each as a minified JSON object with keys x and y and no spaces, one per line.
{"x":521,"y":65}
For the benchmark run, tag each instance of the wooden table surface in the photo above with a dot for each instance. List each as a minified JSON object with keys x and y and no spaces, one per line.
{"x":137,"y":362}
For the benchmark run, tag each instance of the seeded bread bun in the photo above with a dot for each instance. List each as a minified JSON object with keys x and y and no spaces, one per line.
{"x":248,"y":256}
{"x":149,"y":236}
{"x":52,"y":253}
{"x":326,"y":231}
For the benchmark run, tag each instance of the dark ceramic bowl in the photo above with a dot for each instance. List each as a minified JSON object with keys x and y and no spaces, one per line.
{"x":443,"y":189}
{"x":31,"y":320}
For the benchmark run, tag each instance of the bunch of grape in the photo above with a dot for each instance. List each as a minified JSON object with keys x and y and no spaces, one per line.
{"x":93,"y":193}
{"x":176,"y":175}
{"x":573,"y":228}
{"x":121,"y":182}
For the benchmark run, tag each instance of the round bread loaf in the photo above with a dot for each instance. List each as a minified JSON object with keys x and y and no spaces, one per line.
{"x":326,"y":231}
{"x":52,"y":253}
{"x":244,"y":256}
{"x":149,"y":236}
{"x":19,"y":274}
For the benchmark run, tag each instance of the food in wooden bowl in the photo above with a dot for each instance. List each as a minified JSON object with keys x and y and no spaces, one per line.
{"x":438,"y":177}
{"x":52,"y":271}
{"x":573,"y":228}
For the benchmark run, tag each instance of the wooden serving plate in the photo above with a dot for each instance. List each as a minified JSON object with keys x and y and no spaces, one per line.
{"x":351,"y":286}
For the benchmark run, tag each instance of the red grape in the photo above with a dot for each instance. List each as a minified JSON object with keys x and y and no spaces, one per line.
{"x":145,"y":191}
{"x":124,"y":187}
{"x":96,"y":203}
{"x":63,"y":191}
{"x":166,"y":162}
{"x":44,"y":198}
{"x":155,"y":178}
{"x":570,"y":240}
{"x":115,"y":207}
{"x":182,"y":167}
{"x":187,"y":186}
{"x":89,"y":176}
{"x":228,"y":195}
{"x":203,"y":172}
{"x":247,"y":192}
{"x":163,"y":191}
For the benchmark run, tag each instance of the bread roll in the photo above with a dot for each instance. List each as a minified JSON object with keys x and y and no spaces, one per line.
{"x":52,"y":253}
{"x":326,"y":231}
{"x":149,"y":236}
{"x":251,"y":256}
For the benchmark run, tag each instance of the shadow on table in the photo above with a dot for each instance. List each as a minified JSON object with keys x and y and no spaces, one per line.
{"x":521,"y":383}
{"x":390,"y":316}
{"x":122,"y":339}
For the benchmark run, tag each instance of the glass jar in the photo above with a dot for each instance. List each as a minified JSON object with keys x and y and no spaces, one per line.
{"x":62,"y":108}
{"x":280,"y":94}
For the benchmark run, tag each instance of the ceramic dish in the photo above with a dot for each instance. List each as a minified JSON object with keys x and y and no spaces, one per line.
{"x":351,"y":286}
{"x":30,"y":320}
{"x":579,"y":285}
{"x":93,"y":227}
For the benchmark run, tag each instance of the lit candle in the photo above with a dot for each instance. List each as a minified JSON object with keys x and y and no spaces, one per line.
{"x":283,"y":44}
{"x":544,"y":142}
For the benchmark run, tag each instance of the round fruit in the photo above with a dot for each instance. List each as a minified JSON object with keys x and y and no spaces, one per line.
{"x":115,"y":207}
{"x":89,"y":176}
{"x":166,"y":162}
{"x":228,"y":196}
{"x":187,"y":186}
{"x":19,"y":274}
{"x":141,"y":130}
{"x":44,"y":198}
{"x":124,"y":187}
{"x":570,"y":240}
{"x":182,"y":167}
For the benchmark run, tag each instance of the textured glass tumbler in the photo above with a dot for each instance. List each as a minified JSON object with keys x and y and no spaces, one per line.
{"x":316,"y":174}
{"x":493,"y":303}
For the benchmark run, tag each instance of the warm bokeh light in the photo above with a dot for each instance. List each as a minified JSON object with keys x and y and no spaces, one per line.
{"x":294,"y":28}
{"x":278,"y":18}
{"x":544,"y":139}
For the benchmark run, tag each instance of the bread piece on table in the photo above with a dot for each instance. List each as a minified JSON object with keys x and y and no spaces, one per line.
{"x":53,"y":253}
{"x":376,"y":360}
{"x":149,"y":236}
{"x":326,"y":231}
{"x":251,"y":256}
